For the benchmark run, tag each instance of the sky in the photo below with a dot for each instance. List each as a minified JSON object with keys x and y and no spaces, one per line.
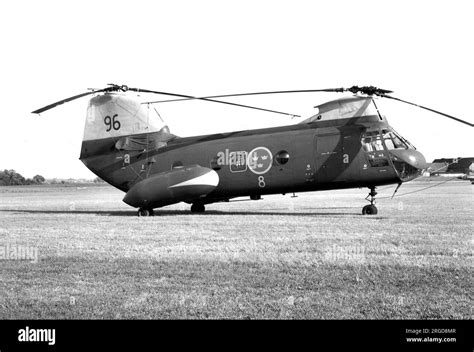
{"x":422,"y":50}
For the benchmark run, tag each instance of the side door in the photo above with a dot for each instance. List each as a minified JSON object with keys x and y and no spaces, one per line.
{"x":352,"y":158}
{"x":329,"y":148}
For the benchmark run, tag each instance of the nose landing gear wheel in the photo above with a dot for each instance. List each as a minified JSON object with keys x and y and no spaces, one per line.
{"x":370,"y":209}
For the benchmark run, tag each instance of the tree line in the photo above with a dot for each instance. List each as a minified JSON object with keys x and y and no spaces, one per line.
{"x":13,"y":178}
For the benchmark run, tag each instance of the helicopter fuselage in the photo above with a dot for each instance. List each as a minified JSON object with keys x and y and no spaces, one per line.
{"x":319,"y":155}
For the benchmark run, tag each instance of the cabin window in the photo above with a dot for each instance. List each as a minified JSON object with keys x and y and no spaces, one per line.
{"x":215,"y":164}
{"x":282,"y":157}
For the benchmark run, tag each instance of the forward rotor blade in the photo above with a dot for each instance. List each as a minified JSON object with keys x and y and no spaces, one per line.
{"x":50,"y":106}
{"x":424,"y":107}
{"x":189,"y":97}
{"x":339,"y":90}
{"x":368,"y":90}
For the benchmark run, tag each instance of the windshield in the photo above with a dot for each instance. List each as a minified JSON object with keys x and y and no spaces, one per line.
{"x":372,"y":141}
{"x":394,"y":141}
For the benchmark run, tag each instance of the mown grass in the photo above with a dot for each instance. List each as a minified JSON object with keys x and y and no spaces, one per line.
{"x":309,"y":257}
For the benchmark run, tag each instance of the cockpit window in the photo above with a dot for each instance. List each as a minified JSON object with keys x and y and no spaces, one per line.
{"x":394,"y":141}
{"x":372,"y":141}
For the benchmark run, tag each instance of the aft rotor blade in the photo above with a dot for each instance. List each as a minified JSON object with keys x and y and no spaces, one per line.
{"x":50,"y":106}
{"x":189,"y":97}
{"x":338,"y":90}
{"x":424,"y":107}
{"x":113,"y":87}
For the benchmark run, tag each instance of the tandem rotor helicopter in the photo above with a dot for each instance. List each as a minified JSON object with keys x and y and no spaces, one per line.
{"x":348,"y":143}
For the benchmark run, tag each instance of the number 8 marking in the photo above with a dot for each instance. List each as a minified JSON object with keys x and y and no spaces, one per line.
{"x":261,"y":181}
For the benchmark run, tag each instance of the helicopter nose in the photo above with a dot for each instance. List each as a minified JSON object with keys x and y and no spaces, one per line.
{"x":408,"y":163}
{"x":411,"y":157}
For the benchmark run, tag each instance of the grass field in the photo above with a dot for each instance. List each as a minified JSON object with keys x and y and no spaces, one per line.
{"x":313,"y":256}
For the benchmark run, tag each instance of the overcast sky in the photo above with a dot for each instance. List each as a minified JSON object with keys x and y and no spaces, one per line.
{"x":423,"y":50}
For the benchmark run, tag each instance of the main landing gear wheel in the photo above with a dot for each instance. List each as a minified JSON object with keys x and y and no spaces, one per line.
{"x":370,"y":209}
{"x":198,"y":208}
{"x":145,"y":212}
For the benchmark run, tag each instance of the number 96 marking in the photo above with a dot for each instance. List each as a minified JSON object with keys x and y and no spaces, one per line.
{"x":112,"y":123}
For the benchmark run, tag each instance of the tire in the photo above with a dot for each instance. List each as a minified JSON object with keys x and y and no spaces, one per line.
{"x":198,"y":208}
{"x":369,"y":210}
{"x":143,"y":212}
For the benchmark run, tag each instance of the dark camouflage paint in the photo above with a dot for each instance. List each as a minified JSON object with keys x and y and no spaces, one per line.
{"x":316,"y":163}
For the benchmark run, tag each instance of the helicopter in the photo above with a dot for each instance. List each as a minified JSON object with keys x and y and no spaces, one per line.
{"x":347,"y":143}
